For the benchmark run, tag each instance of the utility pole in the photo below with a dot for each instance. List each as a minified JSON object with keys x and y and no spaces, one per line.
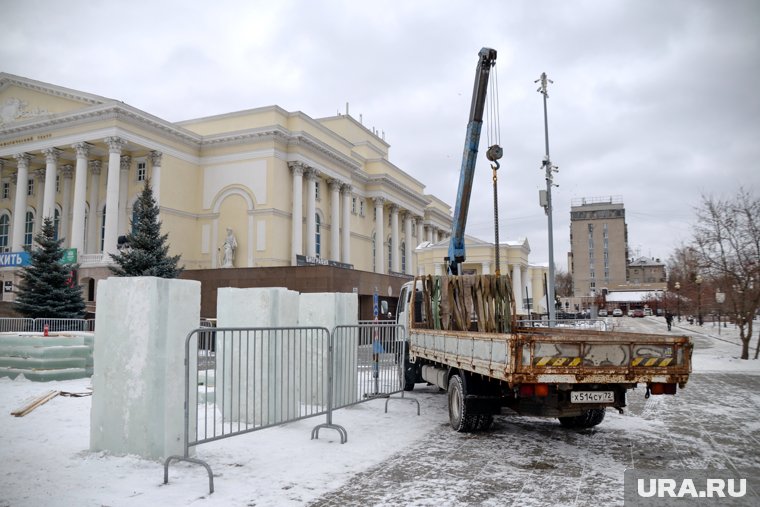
{"x":545,"y":198}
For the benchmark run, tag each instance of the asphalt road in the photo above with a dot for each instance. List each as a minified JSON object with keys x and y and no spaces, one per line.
{"x":524,"y":461}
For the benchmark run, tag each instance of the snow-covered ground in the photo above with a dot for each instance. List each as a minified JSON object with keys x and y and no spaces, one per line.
{"x":46,"y":459}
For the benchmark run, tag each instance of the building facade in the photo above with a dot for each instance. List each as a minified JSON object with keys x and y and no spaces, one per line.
{"x":289,"y":189}
{"x":598,"y":245}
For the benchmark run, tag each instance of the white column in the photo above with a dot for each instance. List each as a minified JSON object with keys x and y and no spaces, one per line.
{"x":335,"y":219}
{"x":19,"y":208}
{"x":379,"y":235}
{"x":93,"y":245}
{"x":311,"y":210}
{"x":430,"y":234}
{"x":517,"y":288}
{"x":420,"y":231}
{"x":63,"y":227}
{"x":408,"y":240}
{"x":438,"y":269}
{"x":39,"y":185}
{"x":395,"y":264}
{"x":296,"y":239}
{"x":486,"y":266}
{"x":115,"y":144}
{"x":51,"y":169}
{"x":124,"y":162}
{"x":346,"y":231}
{"x":155,"y":178}
{"x":80,"y":186}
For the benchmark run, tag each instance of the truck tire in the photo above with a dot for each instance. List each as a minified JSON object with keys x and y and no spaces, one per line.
{"x":459,"y":417}
{"x":410,"y":376}
{"x":589,"y":419}
{"x":484,"y":422}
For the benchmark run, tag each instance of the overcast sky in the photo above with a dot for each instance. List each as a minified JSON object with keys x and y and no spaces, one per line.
{"x":652,"y":101}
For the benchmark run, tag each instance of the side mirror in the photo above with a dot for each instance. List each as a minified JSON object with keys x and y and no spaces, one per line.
{"x":383,"y":307}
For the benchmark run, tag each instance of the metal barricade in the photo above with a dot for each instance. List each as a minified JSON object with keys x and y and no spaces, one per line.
{"x":15,"y":325}
{"x":27,"y":325}
{"x":240,"y":380}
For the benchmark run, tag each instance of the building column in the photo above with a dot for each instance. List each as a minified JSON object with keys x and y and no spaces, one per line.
{"x":379,"y":236}
{"x":517,"y":288}
{"x":39,"y":184}
{"x":395,"y":243}
{"x":93,"y":244}
{"x":335,"y":219}
{"x":63,"y":228}
{"x":51,"y":169}
{"x":486,"y":267}
{"x":19,"y":207}
{"x":296,"y":229}
{"x":430,"y":233}
{"x":408,"y":242}
{"x":124,"y":162}
{"x":311,"y":211}
{"x":155,"y":178}
{"x":110,"y":239}
{"x":346,"y":231}
{"x":80,"y":186}
{"x":420,"y":231}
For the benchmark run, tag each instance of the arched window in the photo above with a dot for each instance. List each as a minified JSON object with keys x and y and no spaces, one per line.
{"x":374,"y":253}
{"x":4,"y":225}
{"x":390,"y":255}
{"x":318,"y":235}
{"x":56,"y":223}
{"x":403,"y":256}
{"x":103,"y":231}
{"x":29,"y":229}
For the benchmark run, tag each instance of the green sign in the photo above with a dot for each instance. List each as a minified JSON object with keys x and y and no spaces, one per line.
{"x":69,"y":256}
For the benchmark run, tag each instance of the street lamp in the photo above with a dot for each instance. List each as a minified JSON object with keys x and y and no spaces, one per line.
{"x":698,"y":281}
{"x":678,"y":300}
{"x":720,"y":297}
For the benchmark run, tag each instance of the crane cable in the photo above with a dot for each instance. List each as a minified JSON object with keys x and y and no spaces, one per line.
{"x":495,"y":152}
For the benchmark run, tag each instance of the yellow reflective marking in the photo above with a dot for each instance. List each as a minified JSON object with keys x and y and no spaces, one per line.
{"x":543,"y":361}
{"x":651,"y":361}
{"x":666,"y":361}
{"x":575,"y":362}
{"x":560,"y":361}
{"x":637,"y":360}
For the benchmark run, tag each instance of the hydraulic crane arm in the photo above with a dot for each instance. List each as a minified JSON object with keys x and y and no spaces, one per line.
{"x":486,"y":60}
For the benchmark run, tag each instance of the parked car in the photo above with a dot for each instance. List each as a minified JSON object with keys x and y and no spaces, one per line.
{"x":638,"y":313}
{"x":630,"y":313}
{"x":602,"y":313}
{"x":617,"y":312}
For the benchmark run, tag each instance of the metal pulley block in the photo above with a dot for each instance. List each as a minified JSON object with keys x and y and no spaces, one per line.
{"x":494,"y":153}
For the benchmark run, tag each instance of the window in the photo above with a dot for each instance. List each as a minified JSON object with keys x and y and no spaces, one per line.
{"x":6,"y":190}
{"x":142,"y":169}
{"x":353,"y":205}
{"x":30,"y":187}
{"x":390,"y":220}
{"x":103,"y":230}
{"x":134,"y":218}
{"x":390,"y":255}
{"x":29,"y":229}
{"x":4,"y":225}
{"x":592,"y":275}
{"x":605,"y":231}
{"x":361,"y":208}
{"x":316,"y":189}
{"x":374,"y":251}
{"x":57,"y":183}
{"x":403,"y":257}
{"x":318,"y":236}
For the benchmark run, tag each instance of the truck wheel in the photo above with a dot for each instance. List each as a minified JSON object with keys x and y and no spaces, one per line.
{"x":459,"y":417}
{"x":589,"y":419}
{"x":484,"y":422}
{"x":410,"y":376}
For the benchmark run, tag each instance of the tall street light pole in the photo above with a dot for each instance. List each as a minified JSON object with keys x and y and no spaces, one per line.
{"x":546,"y":199}
{"x":678,"y":300}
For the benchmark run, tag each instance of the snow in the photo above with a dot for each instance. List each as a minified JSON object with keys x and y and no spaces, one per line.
{"x":46,"y":458}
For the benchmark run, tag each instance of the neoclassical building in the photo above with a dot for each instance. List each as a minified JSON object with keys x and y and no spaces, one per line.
{"x":294,"y":191}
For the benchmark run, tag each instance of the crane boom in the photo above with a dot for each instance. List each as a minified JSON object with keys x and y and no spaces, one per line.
{"x":486,"y":60}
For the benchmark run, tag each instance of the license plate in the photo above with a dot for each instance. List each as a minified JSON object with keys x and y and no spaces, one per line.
{"x":592,"y":397}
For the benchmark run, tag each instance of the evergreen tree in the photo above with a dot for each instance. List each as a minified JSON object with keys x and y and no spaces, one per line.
{"x":46,"y":289}
{"x":145,"y":251}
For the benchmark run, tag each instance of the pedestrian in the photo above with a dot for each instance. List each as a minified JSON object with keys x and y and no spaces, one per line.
{"x":669,"y":319}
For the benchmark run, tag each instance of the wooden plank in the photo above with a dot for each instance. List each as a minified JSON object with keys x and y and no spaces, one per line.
{"x":41,"y":400}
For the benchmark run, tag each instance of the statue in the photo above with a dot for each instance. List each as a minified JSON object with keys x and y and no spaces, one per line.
{"x":229,"y":247}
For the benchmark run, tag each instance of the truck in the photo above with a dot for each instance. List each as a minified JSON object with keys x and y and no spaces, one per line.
{"x":463,"y":335}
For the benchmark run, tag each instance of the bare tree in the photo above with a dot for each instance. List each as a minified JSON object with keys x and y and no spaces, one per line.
{"x":727,"y":244}
{"x":563,"y":283}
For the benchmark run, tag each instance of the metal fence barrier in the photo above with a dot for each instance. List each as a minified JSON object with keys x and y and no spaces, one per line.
{"x":26,"y":325}
{"x":240,"y":380}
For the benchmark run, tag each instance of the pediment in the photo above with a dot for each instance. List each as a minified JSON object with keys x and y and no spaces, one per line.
{"x":23,"y":99}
